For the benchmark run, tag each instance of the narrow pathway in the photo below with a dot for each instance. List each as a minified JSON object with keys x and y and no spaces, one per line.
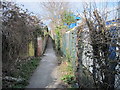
{"x":45,"y":76}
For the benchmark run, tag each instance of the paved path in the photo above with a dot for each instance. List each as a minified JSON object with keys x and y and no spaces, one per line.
{"x":45,"y":75}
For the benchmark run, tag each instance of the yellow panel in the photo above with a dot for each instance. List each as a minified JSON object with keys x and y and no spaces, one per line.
{"x":31,"y":49}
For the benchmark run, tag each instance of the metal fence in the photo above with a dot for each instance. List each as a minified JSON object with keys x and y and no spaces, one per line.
{"x":68,"y":47}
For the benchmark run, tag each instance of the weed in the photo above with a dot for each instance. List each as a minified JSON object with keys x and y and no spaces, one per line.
{"x":69,"y":79}
{"x":68,"y":76}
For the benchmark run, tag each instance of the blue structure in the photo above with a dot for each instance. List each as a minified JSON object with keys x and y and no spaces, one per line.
{"x":112,"y":21}
{"x":113,"y":34}
{"x":72,"y":25}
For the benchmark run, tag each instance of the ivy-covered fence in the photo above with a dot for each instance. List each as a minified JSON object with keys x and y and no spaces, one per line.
{"x":68,"y":47}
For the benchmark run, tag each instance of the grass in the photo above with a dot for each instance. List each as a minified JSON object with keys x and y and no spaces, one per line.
{"x":25,"y":71}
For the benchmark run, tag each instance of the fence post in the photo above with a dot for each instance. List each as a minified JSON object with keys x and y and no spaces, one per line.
{"x":39,"y":44}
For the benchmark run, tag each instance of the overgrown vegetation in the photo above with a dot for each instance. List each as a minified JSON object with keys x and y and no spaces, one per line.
{"x":18,"y":27}
{"x":67,"y":73}
{"x":20,"y":30}
{"x":59,"y":31}
{"x":104,"y":42}
{"x":22,"y":74}
{"x":68,"y":17}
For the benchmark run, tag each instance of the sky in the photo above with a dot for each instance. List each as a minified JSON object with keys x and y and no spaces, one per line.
{"x":34,"y":6}
{"x":77,"y":6}
{"x":64,"y":0}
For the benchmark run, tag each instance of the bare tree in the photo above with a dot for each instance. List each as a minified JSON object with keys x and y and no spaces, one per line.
{"x":102,"y":40}
{"x":53,"y":11}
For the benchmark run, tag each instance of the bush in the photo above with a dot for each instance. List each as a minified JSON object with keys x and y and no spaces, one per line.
{"x":69,"y":79}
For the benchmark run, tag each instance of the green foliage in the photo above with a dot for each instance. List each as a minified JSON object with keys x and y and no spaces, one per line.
{"x":25,"y":72}
{"x":69,"y":79}
{"x":68,"y":55}
{"x":68,"y":18}
{"x":70,"y":68}
{"x":18,"y":29}
{"x":58,"y":36}
{"x":39,"y":31}
{"x":28,"y":68}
